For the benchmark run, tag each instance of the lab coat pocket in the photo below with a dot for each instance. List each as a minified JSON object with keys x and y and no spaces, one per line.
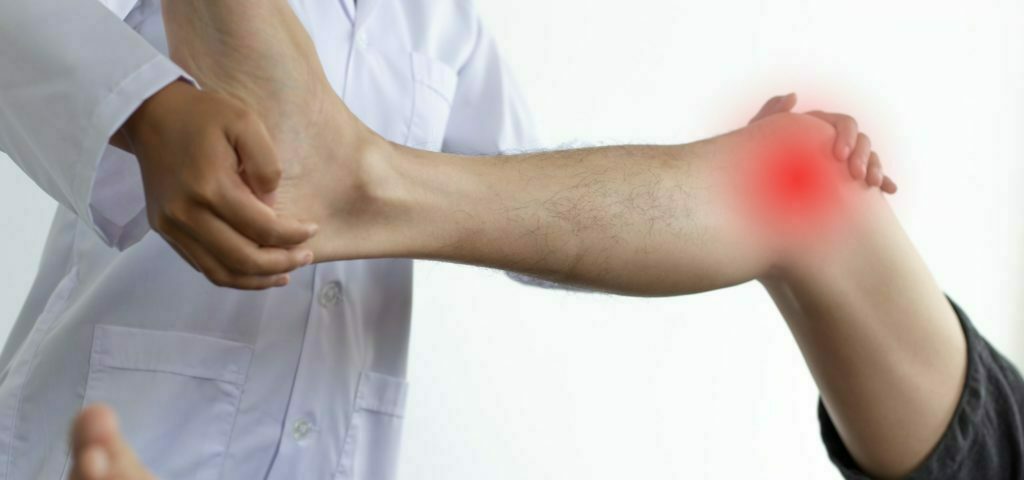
{"x":176,"y":394}
{"x":374,"y":432}
{"x":433,"y":93}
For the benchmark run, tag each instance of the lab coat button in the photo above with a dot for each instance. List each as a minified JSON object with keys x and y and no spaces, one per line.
{"x":301,"y":429}
{"x":330,"y":294}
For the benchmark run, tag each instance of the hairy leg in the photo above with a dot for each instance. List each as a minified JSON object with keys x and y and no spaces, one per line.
{"x":881,"y":340}
{"x":636,"y":220}
{"x":605,"y":218}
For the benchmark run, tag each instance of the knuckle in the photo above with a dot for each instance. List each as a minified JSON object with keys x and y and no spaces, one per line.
{"x":266,"y":175}
{"x":223,"y":278}
{"x":203,"y":188}
{"x":208,"y":192}
{"x":218,"y":278}
{"x":159,"y":223}
{"x":273,"y":171}
{"x":271,"y":236}
{"x":176,"y":212}
{"x":244,"y":117}
{"x":865,"y":140}
{"x":246,"y":264}
{"x":252,"y":266}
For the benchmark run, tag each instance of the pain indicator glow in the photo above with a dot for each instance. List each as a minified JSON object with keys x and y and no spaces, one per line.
{"x":790,"y":186}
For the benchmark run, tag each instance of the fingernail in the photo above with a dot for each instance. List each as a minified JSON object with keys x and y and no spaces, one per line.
{"x":281,"y":280}
{"x":307,"y":258}
{"x":313,"y":229}
{"x":844,"y":152}
{"x":95,"y":463}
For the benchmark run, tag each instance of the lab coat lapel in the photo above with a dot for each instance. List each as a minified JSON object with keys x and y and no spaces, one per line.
{"x":364,"y":9}
{"x":349,"y":7}
{"x":121,"y":8}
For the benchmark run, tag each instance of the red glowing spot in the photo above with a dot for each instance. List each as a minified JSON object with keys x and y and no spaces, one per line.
{"x":792,"y":187}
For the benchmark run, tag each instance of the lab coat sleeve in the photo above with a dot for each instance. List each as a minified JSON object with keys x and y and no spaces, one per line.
{"x":72,"y":73}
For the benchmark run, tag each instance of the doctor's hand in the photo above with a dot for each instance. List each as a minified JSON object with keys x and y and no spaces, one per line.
{"x":851,"y":145}
{"x":99,"y":450}
{"x":209,"y":171}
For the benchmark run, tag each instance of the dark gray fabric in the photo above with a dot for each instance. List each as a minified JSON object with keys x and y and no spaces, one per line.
{"x":985,"y":439}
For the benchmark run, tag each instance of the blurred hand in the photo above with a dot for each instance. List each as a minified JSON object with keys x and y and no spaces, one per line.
{"x":210,"y":171}
{"x":99,"y":450}
{"x":851,"y":146}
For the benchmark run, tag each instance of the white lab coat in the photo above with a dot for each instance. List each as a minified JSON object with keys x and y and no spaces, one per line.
{"x":301,"y":382}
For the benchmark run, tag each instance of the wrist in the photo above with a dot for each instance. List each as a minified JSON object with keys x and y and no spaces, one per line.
{"x":143,"y":121}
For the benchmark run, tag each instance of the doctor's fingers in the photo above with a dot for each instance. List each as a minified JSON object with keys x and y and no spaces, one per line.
{"x":219,"y":274}
{"x":239,"y":254}
{"x":854,"y":148}
{"x":777,"y":104}
{"x":224,"y":255}
{"x":237,"y":206}
{"x":865,"y":164}
{"x":847,"y":133}
{"x":91,"y":463}
{"x":858,"y":161}
{"x":261,"y":167}
{"x":182,"y":253}
{"x":876,"y":178}
{"x":889,"y":186}
{"x":90,"y":433}
{"x":99,"y":450}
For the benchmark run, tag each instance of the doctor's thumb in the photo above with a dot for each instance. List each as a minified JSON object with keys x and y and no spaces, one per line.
{"x":258,"y":162}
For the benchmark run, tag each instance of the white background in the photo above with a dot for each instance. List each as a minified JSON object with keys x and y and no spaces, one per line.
{"x":510,"y":382}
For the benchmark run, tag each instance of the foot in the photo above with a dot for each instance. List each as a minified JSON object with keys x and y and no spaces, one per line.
{"x":99,"y":452}
{"x":259,"y":53}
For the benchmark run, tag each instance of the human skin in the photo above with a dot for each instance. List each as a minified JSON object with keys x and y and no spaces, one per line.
{"x":883,"y":344}
{"x":99,"y":451}
{"x":879,"y":338}
{"x":208,"y":169}
{"x":878,"y":335}
{"x":890,"y":368}
{"x":342,"y":176}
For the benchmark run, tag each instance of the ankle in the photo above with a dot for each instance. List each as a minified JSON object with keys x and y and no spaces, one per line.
{"x":359,"y":188}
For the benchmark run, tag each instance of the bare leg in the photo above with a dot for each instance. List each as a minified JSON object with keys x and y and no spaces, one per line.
{"x":98,"y":450}
{"x":882,"y":342}
{"x":557,"y":215}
